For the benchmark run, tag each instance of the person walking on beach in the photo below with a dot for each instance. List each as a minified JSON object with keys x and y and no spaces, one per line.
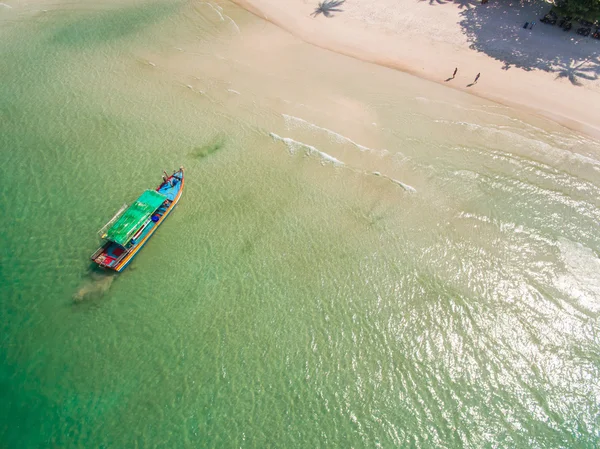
{"x":476,"y":78}
{"x":454,"y":74}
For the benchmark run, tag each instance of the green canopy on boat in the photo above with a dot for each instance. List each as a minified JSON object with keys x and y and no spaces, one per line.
{"x":134,"y":217}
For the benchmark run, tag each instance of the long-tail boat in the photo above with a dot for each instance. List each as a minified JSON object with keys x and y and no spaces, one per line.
{"x":129,"y":230}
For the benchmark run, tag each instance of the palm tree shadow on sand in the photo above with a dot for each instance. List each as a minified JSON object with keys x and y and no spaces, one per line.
{"x":462,"y":4}
{"x":327,"y":7}
{"x":496,"y":29}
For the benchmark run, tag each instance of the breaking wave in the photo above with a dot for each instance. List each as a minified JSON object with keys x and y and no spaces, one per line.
{"x":406,"y":187}
{"x":294,"y":146}
{"x":292,"y":122}
{"x":529,"y":143}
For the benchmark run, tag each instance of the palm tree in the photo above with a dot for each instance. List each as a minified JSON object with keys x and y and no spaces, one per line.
{"x":326,"y":7}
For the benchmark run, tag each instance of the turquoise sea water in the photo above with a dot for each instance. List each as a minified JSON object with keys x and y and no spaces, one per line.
{"x":360,"y":258}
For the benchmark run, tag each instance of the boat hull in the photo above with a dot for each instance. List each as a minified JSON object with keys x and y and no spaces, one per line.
{"x":173,"y":195}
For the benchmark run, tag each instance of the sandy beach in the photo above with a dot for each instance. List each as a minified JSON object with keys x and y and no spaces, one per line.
{"x":542,"y":70}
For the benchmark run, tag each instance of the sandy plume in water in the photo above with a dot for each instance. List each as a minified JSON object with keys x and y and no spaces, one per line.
{"x":95,"y":286}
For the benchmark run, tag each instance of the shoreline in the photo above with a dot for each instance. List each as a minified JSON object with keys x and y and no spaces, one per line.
{"x":434,"y":50}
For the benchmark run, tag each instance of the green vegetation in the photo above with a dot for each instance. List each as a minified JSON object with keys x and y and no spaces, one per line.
{"x":579,"y":9}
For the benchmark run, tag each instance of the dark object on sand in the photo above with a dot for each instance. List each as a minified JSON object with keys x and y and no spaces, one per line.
{"x":564,"y":21}
{"x":326,"y":7}
{"x":549,"y":18}
{"x":584,"y":31}
{"x":526,"y":25}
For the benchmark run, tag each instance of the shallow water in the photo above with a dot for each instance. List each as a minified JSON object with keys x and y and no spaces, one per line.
{"x":360,"y":258}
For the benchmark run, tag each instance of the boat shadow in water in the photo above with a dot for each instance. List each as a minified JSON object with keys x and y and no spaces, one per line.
{"x":94,"y":285}
{"x":200,"y":152}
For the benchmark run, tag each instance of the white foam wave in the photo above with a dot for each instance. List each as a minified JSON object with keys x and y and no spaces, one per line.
{"x":294,"y":145}
{"x":530,"y":143}
{"x":406,"y":187}
{"x":508,"y":227}
{"x":234,"y":24}
{"x":290,"y":120}
{"x":215,"y":10}
{"x":482,"y":109}
{"x":533,"y":192}
{"x":540,"y":169}
{"x":466,"y":174}
{"x":190,"y":87}
{"x":403,"y":185}
{"x":233,"y":91}
{"x":6,"y":6}
{"x":219,"y":10}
